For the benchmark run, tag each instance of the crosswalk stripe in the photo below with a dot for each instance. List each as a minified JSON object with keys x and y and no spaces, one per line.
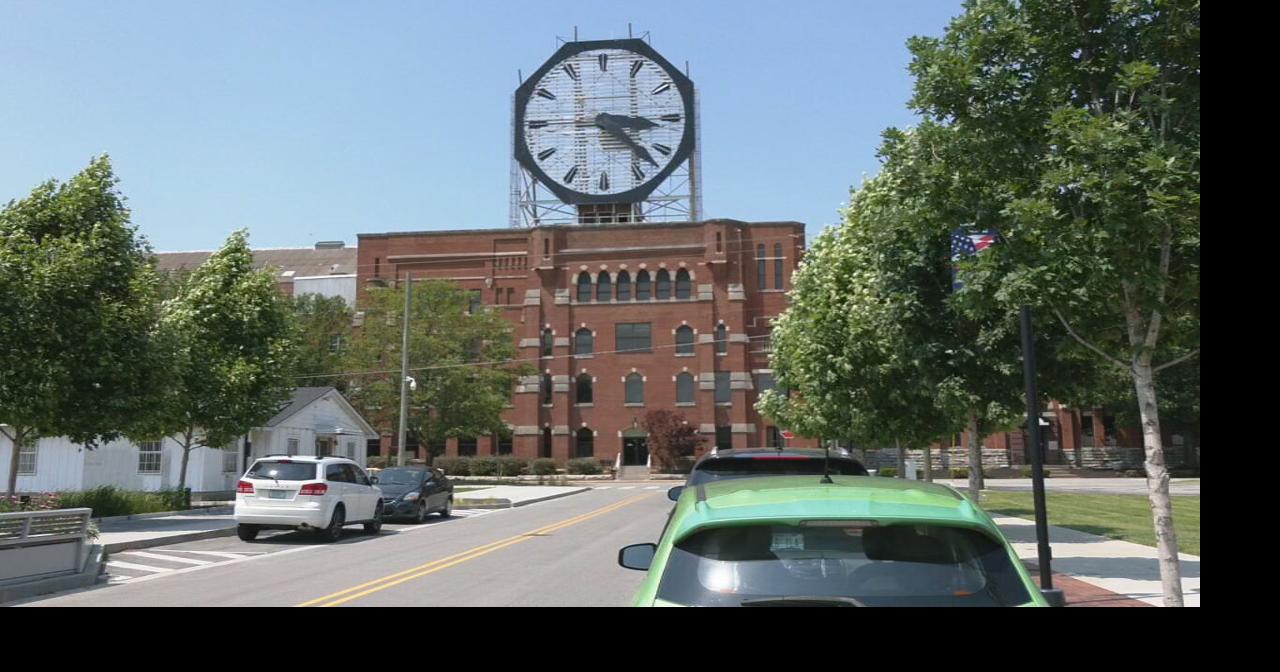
{"x":652,"y":487}
{"x":168,"y":558}
{"x":138,"y":568}
{"x":219,"y":554}
{"x":627,"y":487}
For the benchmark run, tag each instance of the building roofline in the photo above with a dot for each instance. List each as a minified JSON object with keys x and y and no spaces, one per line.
{"x":581,"y":227}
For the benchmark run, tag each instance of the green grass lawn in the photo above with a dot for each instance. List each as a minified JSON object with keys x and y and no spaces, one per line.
{"x":1126,"y":517}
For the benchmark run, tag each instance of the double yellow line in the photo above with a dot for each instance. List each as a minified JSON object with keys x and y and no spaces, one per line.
{"x":356,"y":592}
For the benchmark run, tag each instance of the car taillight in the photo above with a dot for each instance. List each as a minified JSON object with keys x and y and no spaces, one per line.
{"x":244,"y":487}
{"x":314,"y":489}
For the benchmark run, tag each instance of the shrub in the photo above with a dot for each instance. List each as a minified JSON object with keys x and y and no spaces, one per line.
{"x":584,"y":465}
{"x":543,"y":466}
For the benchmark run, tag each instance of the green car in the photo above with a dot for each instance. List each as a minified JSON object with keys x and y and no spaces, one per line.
{"x":857,"y":541}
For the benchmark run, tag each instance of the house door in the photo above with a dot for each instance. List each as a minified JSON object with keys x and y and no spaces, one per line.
{"x":635,"y":451}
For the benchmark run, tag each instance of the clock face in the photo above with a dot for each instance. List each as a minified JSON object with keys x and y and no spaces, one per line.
{"x":604,"y":122}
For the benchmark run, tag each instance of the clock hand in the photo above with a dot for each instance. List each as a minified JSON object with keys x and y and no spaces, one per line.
{"x":633,"y":123}
{"x":607,"y":124}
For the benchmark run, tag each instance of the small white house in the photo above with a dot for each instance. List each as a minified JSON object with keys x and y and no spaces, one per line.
{"x":315,"y":421}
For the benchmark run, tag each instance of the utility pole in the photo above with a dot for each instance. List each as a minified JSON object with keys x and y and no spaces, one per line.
{"x":404,"y":372}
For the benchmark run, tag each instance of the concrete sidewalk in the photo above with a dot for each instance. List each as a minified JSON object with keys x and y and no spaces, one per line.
{"x":1121,"y":568}
{"x":1109,"y":486}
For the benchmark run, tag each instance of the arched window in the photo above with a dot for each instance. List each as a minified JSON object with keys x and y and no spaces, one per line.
{"x":684,"y":340}
{"x":546,"y":389}
{"x":584,"y":342}
{"x":642,"y":285}
{"x":684,"y":388}
{"x":762,"y":266}
{"x":584,"y":391}
{"x":635,"y":389}
{"x":604,"y":287}
{"x":624,"y":286}
{"x":683,"y":284}
{"x":722,"y":339}
{"x":777,"y":266}
{"x":584,"y":443}
{"x":548,"y":342}
{"x":664,"y":284}
{"x":584,"y":287}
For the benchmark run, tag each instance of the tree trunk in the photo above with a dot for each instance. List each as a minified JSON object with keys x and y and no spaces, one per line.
{"x":18,"y":436}
{"x":186,"y":457}
{"x":975,"y":457}
{"x":928,"y":463}
{"x":1158,"y":484}
{"x":902,"y":459}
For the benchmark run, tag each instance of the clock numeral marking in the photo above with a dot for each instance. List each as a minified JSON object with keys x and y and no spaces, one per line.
{"x":604,"y":62}
{"x":660,"y":88}
{"x":635,"y":170}
{"x":568,"y":177}
{"x":665,"y":150}
{"x":543,"y":93}
{"x":546,"y":154}
{"x":537,"y":124}
{"x":604,"y":181}
{"x":670,"y":117}
{"x":635,"y":68}
{"x":571,"y":71}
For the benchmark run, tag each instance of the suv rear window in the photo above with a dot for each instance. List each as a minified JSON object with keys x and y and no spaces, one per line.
{"x":833,"y":562}
{"x":745,"y":467}
{"x":283,"y":470}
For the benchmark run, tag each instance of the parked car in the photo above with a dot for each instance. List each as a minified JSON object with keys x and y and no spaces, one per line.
{"x":722,"y":465}
{"x":320,"y":494}
{"x":858,"y":541}
{"x":415,"y":492}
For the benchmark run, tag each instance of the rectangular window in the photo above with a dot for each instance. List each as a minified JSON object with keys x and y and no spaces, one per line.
{"x":230,"y":461}
{"x":724,"y":438}
{"x":292,"y":447}
{"x":335,"y":344}
{"x":474,"y":301}
{"x":777,"y":266}
{"x":351,"y":449}
{"x":723,"y":395}
{"x":149,"y":457}
{"x":467,"y":446}
{"x":372,"y":447}
{"x":764,"y":381}
{"x":28,"y":456}
{"x":506,"y":446}
{"x":774,"y":438}
{"x":634,"y":337}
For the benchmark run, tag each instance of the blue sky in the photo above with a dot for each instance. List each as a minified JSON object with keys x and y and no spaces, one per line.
{"x":307,"y":121}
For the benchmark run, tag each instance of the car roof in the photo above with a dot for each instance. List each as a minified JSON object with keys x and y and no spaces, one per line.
{"x":307,"y":458}
{"x":795,"y":498}
{"x":819,"y":453}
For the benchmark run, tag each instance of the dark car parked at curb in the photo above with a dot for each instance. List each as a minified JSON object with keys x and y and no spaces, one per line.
{"x":723,"y":465}
{"x":415,"y":493}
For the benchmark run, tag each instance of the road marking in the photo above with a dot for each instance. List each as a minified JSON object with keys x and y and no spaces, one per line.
{"x":370,"y":587}
{"x":653,"y":487}
{"x":628,"y":487}
{"x":137,"y":568}
{"x":157,"y":556}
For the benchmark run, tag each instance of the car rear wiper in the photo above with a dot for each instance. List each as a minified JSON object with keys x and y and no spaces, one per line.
{"x":803,"y":601}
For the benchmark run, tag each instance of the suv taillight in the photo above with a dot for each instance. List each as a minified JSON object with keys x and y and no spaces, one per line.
{"x":316,"y":489}
{"x":244,"y":487}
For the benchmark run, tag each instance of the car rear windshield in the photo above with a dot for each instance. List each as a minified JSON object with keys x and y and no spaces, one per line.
{"x":841,"y":564}
{"x":283,"y":470}
{"x":400,"y":476}
{"x":746,"y":467}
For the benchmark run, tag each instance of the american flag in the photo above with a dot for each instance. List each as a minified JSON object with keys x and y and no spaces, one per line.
{"x":966,"y":245}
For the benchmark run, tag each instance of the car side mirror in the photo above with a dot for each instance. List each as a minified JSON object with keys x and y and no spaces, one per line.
{"x":674,"y":493}
{"x":637,"y":556}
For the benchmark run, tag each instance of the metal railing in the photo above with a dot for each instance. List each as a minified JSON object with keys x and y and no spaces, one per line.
{"x":27,"y":528}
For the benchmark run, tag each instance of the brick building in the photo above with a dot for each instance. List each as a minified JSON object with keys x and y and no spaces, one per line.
{"x":621,"y":320}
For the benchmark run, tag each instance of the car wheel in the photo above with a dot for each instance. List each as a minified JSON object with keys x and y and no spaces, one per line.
{"x":334,"y":531}
{"x":375,"y":526}
{"x":247,"y":532}
{"x":420,"y":516}
{"x":448,"y":508}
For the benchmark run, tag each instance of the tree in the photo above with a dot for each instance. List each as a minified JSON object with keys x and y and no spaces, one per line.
{"x":323,"y":327}
{"x":460,"y":360}
{"x":671,"y":437}
{"x":1082,"y":120}
{"x":78,"y":305}
{"x":232,"y":351}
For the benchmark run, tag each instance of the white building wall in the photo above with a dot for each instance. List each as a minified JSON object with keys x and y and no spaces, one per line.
{"x":343,"y":286}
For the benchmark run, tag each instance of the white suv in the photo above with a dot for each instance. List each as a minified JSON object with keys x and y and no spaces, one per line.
{"x":321,"y":494}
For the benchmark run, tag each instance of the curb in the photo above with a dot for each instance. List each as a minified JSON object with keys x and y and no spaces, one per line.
{"x":139,"y":544}
{"x":203,"y":511}
{"x":507,"y":504}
